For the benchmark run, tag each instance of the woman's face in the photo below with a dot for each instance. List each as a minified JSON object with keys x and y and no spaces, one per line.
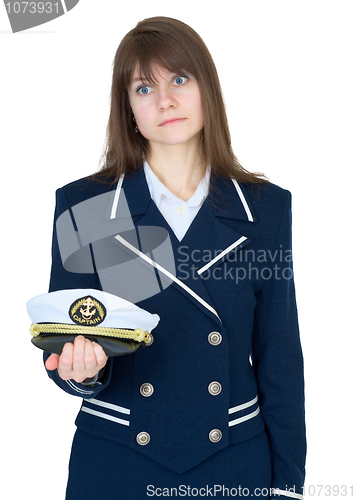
{"x":169,"y":111}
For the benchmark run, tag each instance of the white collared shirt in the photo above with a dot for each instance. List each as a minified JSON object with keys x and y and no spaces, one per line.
{"x":178,"y":213}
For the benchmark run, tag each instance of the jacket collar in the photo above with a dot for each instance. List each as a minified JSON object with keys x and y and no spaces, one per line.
{"x":227,"y":198}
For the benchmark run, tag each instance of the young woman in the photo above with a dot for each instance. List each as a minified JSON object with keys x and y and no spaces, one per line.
{"x":214,"y":404}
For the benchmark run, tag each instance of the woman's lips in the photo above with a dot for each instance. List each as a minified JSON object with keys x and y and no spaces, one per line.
{"x":171,"y":121}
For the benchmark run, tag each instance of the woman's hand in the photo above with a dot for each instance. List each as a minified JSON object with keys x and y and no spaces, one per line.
{"x":77,"y":362}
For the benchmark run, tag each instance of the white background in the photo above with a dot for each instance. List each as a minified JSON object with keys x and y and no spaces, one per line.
{"x":287,"y":71}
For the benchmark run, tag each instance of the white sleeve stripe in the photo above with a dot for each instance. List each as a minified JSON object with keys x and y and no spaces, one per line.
{"x":75,"y":388}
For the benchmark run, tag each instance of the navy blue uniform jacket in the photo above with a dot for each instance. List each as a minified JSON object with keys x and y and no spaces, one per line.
{"x":233,"y":277}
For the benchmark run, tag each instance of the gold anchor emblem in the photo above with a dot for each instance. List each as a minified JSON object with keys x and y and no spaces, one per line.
{"x":88,"y":310}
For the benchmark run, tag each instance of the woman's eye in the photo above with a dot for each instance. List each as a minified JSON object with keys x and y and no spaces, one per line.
{"x":179,"y":80}
{"x":144,"y":90}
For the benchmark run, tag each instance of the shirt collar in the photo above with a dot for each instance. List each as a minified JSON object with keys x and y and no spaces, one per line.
{"x":158,"y":189}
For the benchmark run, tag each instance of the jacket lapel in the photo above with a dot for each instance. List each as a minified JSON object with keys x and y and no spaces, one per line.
{"x":216,"y":233}
{"x":210,"y":239}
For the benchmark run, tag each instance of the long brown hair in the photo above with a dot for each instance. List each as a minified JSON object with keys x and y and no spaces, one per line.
{"x":173,"y":45}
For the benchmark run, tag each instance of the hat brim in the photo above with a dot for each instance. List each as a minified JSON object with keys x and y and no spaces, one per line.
{"x":112,"y":346}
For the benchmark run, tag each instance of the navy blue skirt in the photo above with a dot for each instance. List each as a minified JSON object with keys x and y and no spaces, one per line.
{"x":100,"y":469}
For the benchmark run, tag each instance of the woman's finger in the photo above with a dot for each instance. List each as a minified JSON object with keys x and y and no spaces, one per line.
{"x":90,"y":363}
{"x":52,"y":362}
{"x":65,"y":366}
{"x":78,"y":359}
{"x":101,"y":357}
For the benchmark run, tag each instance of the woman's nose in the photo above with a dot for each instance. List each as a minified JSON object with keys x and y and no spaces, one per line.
{"x":166,"y":97}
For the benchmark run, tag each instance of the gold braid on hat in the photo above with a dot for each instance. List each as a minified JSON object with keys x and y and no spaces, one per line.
{"x":138,"y":334}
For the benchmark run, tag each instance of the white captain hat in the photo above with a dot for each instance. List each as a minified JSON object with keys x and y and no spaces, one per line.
{"x":118,"y":325}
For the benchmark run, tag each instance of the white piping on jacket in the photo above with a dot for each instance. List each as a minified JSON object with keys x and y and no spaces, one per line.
{"x":110,"y":406}
{"x":121,"y":409}
{"x":243,"y":200}
{"x":105,"y":416}
{"x":202,"y":269}
{"x":221,"y":254}
{"x":167,"y":273}
{"x":236,"y":243}
{"x":243,"y":406}
{"x":116,"y":197}
{"x":244,"y":418}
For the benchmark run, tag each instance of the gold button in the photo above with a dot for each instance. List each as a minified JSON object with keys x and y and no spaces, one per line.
{"x":215,"y":435}
{"x":143,"y":438}
{"x":214,"y":388}
{"x":146,"y":389}
{"x":150,"y":339}
{"x":181,"y":209}
{"x":214,"y":338}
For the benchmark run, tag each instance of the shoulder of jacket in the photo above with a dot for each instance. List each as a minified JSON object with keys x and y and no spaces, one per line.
{"x":266,"y":189}
{"x":83,"y":189}
{"x":266,"y":194}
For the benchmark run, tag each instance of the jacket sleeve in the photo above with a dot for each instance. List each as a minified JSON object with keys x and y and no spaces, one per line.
{"x":278,"y":364}
{"x":61,"y":279}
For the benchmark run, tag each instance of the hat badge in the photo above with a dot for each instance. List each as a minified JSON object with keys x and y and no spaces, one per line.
{"x":87,"y":311}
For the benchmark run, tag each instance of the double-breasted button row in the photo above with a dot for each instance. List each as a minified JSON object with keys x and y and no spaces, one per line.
{"x":146,"y":390}
{"x":214,"y":388}
{"x":214,"y":338}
